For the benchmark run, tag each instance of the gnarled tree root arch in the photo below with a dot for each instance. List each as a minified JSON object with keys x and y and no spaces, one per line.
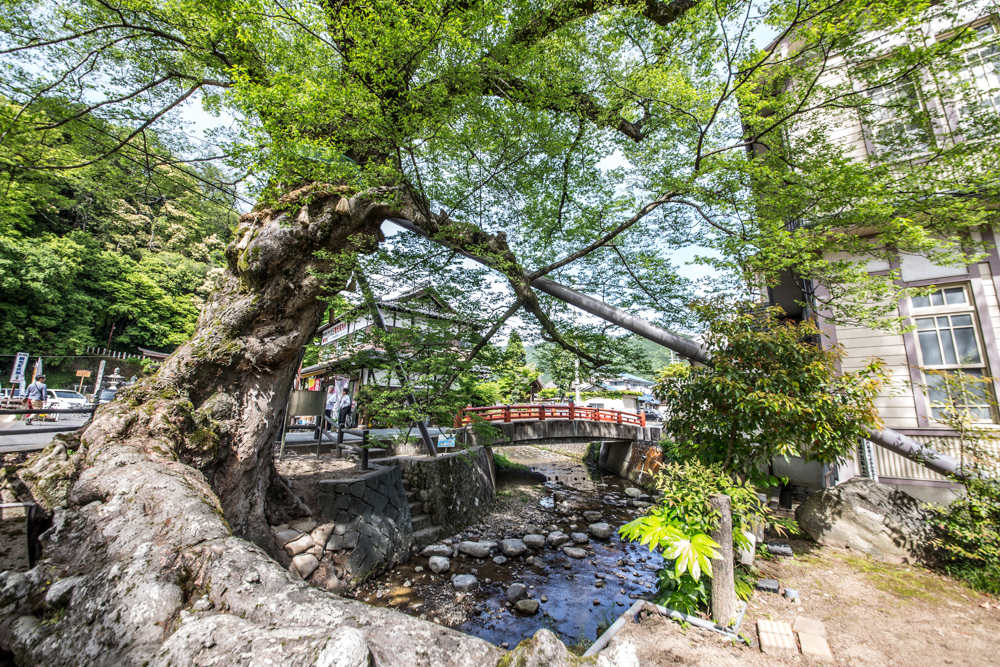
{"x":157,"y":554}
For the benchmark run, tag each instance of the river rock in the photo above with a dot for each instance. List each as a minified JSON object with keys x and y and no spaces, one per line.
{"x":439,"y":564}
{"x":283,"y":537}
{"x":465,"y":582}
{"x":516,"y":591}
{"x":557,"y":539}
{"x":591,"y":515}
{"x":512,"y":548}
{"x":532,"y":529}
{"x":575,"y":552}
{"x":527,"y":606}
{"x":303,"y":525}
{"x":633,"y":492}
{"x":579,"y":538}
{"x":534,"y":541}
{"x":641,"y":504}
{"x":869,"y":517}
{"x":305,"y":565}
{"x":477,"y":549}
{"x":601,"y":531}
{"x":499,"y":560}
{"x":321,"y":534}
{"x":436,"y":550}
{"x":295,"y":547}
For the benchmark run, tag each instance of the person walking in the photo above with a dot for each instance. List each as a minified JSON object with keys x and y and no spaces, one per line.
{"x":345,"y":407}
{"x":36,"y":395}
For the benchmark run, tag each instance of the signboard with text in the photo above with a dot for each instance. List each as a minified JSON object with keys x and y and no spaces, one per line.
{"x":83,"y":374}
{"x":20,"y":365}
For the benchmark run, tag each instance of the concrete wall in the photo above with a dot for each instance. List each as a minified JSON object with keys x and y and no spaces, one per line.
{"x":457,"y":489}
{"x":637,"y":461}
{"x":372,"y":519}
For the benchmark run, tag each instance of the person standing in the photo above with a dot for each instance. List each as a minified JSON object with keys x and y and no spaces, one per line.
{"x":331,"y":402}
{"x":345,"y":407}
{"x":36,"y":395}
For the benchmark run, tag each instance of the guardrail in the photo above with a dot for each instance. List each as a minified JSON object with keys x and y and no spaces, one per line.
{"x":509,"y":413}
{"x":9,"y":447}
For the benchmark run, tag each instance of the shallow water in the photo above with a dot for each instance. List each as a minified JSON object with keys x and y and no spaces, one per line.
{"x":584,"y":596}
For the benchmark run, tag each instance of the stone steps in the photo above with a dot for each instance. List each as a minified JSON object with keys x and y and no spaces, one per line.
{"x":421,"y":521}
{"x":424,"y":532}
{"x":421,"y":538}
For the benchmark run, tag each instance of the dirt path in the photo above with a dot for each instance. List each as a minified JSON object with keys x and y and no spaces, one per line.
{"x":875,"y":614}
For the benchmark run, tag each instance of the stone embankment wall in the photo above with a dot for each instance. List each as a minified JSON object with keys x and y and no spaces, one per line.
{"x":638,"y":460}
{"x":456,"y":489}
{"x":371,"y":519}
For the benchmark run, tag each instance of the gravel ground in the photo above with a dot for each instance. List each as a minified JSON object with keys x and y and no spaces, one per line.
{"x":875,"y":615}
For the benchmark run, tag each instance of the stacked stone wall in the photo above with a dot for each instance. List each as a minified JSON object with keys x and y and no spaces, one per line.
{"x":371,"y":518}
{"x":457,"y":489}
{"x":637,"y":461}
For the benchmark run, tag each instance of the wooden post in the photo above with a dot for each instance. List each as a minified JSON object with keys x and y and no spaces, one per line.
{"x":506,"y":414}
{"x":642,"y":418}
{"x":619,"y":416}
{"x":541,"y":413}
{"x":572,"y":411}
{"x":723,"y":582}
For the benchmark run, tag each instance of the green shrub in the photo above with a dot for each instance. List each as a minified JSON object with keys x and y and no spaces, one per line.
{"x":681,"y":521}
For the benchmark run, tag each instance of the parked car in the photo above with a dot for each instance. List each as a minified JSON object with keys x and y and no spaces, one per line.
{"x":66,"y":399}
{"x":106,"y":396}
{"x":653,"y":416}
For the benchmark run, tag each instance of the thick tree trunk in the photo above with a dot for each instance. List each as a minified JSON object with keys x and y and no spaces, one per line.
{"x":157,"y":500}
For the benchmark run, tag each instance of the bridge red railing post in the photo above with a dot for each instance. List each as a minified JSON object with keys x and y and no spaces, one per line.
{"x":642,"y":418}
{"x":619,"y":416}
{"x":572,"y":411}
{"x":541,"y":413}
{"x":460,"y":417}
{"x":506,"y":413}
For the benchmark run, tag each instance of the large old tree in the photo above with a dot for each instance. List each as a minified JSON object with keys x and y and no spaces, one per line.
{"x":562,"y":138}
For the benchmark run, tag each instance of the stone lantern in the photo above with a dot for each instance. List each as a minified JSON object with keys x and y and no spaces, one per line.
{"x":115,"y":379}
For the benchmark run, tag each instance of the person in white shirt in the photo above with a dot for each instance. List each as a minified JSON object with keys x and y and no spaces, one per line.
{"x":331,"y":403}
{"x":345,"y":407}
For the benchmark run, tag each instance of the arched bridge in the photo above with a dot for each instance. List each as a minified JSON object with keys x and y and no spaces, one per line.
{"x":552,"y":424}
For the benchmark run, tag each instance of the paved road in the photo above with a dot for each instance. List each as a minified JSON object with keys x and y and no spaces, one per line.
{"x":17,"y":436}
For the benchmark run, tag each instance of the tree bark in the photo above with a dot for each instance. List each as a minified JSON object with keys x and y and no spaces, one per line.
{"x":164,"y":498}
{"x":723,"y":581}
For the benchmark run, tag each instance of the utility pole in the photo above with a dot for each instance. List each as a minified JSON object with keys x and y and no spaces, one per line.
{"x":576,"y":364}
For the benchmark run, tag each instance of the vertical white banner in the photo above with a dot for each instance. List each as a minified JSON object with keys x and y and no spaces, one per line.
{"x":20,"y":365}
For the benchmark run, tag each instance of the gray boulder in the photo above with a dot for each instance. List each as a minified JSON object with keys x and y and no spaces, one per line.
{"x":633,"y":492}
{"x":477,"y":549}
{"x":557,"y":539}
{"x":869,"y":517}
{"x":465,"y":582}
{"x":534,"y":541}
{"x":601,"y":531}
{"x":436,"y":550}
{"x":516,"y":592}
{"x":579,"y":538}
{"x":439,"y":564}
{"x":512,"y":548}
{"x":527,"y":606}
{"x":591,"y":515}
{"x":499,"y":560}
{"x":575,"y":552}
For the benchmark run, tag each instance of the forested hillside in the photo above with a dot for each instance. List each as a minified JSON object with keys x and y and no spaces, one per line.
{"x":114,"y":247}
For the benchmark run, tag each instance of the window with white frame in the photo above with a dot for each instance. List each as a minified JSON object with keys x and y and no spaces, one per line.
{"x":949,"y":340}
{"x":982,"y":70}
{"x":897,"y":119}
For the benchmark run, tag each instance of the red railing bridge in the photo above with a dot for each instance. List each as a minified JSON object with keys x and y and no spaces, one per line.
{"x":509,"y":413}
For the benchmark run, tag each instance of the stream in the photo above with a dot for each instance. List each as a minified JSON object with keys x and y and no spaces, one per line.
{"x":579,"y":598}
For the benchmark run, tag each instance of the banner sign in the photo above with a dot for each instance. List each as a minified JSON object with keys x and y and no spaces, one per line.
{"x":20,"y":365}
{"x":341,"y":329}
{"x":446,"y":441}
